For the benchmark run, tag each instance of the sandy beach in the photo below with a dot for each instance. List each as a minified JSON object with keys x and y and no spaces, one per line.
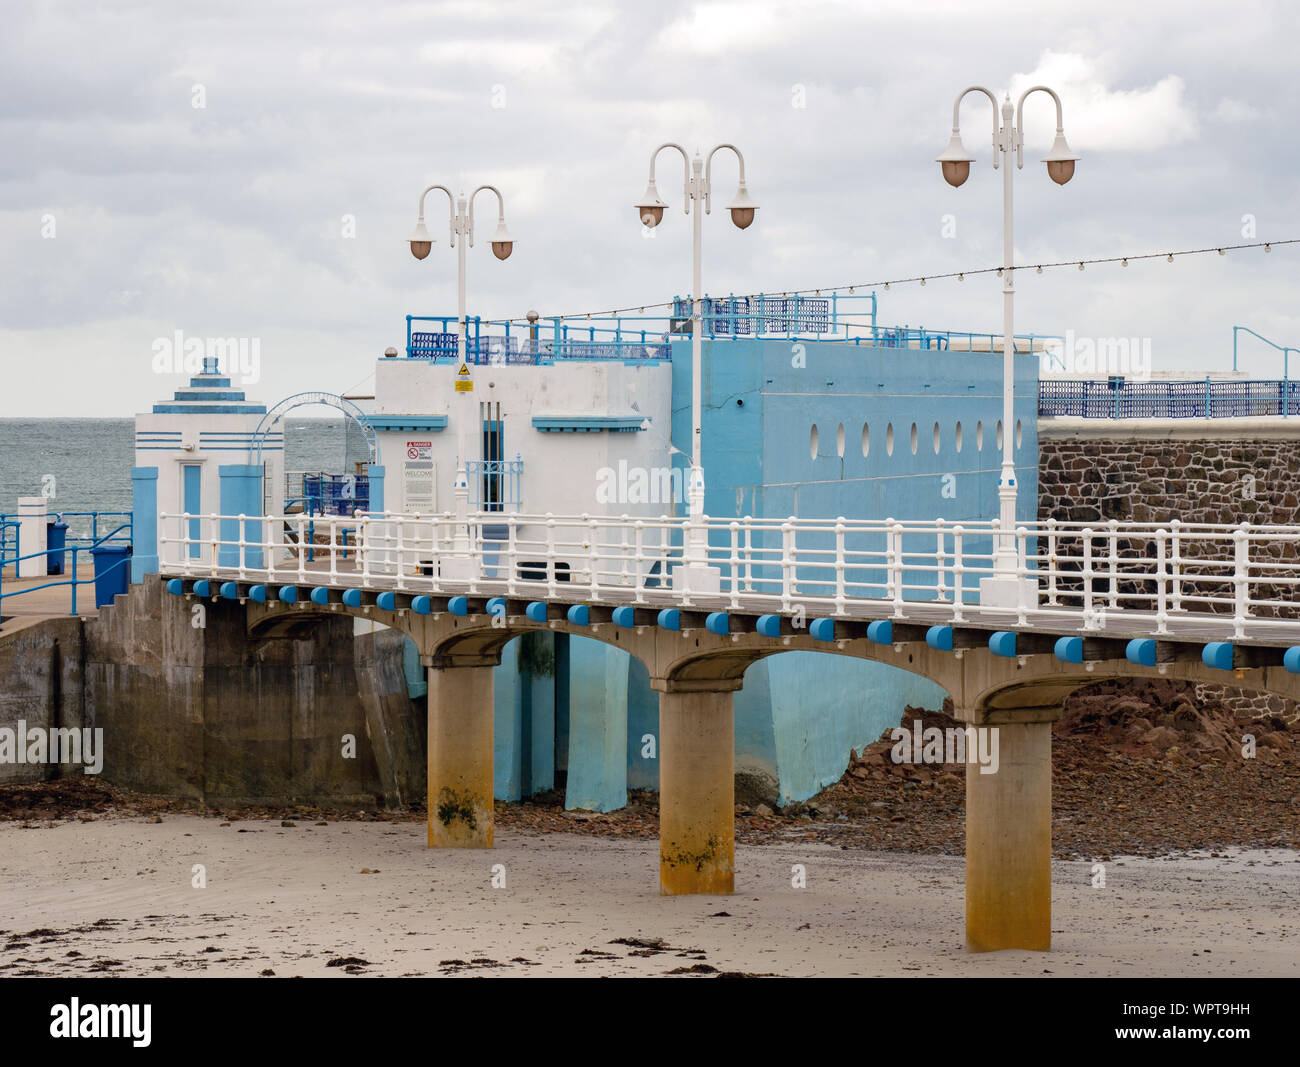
{"x":115,"y":896}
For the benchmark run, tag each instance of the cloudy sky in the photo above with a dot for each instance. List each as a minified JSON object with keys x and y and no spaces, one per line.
{"x":251,"y":169}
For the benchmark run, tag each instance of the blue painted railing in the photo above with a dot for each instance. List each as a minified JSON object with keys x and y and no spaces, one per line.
{"x":118,"y":534}
{"x":1118,"y":398}
{"x":494,"y":483}
{"x":635,"y":337}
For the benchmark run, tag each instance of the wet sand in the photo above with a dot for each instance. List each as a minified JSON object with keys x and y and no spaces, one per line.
{"x":114,"y":896}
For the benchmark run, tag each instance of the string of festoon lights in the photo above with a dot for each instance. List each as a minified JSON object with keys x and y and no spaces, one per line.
{"x":959,"y":275}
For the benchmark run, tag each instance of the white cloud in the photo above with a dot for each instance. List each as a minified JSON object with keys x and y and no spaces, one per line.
{"x":1100,"y":118}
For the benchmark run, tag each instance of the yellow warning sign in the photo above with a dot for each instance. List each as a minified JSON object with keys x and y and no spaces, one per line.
{"x":464,"y":371}
{"x":465,"y":386}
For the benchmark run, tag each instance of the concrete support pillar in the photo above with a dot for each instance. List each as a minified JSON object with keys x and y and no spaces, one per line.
{"x":1009,"y":842}
{"x":460,"y":755}
{"x":697,"y":826}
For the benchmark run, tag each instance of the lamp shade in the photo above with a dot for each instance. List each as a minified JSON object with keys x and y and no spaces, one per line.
{"x":742,"y":208}
{"x":502,"y":243}
{"x":1060,"y":160}
{"x":650,"y":209}
{"x":421,"y":242}
{"x":955,"y":161}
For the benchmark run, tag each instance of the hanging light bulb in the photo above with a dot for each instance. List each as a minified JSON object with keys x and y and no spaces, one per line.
{"x":1267,"y":248}
{"x":1081,"y":266}
{"x":1040,"y":268}
{"x":886,"y":287}
{"x":852,"y":289}
{"x":1169,"y":258}
{"x":961,"y":277}
{"x":1124,"y":262}
{"x":922,"y":281}
{"x":1221,"y":252}
{"x":999,"y":272}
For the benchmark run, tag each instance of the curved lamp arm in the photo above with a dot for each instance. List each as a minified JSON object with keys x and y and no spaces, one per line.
{"x":956,"y":108}
{"x":708,"y":171}
{"x":686,"y":162}
{"x":451,"y":209}
{"x":501,"y":209}
{"x":1020,"y":119}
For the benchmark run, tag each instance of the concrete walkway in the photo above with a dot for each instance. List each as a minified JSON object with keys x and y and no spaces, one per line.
{"x":54,"y":601}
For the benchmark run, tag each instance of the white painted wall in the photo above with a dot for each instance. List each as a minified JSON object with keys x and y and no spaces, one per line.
{"x":195,"y":444}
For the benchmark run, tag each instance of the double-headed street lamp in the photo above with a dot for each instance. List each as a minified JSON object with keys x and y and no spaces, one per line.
{"x":695,"y":573}
{"x":1003,"y":588}
{"x":461,"y":565}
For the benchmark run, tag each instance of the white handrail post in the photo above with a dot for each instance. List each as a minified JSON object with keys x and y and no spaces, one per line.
{"x":1113,"y":533}
{"x":940,"y":558}
{"x":1089,"y":623}
{"x":734,"y":576}
{"x":241,"y":546}
{"x":1176,"y":567}
{"x":550,"y":555}
{"x":1022,"y":574}
{"x":1051,"y":561}
{"x":896,"y":535}
{"x":638,"y":559}
{"x":512,"y":554}
{"x":592,"y":560}
{"x":958,"y":570}
{"x":787,"y":564}
{"x":839,"y":566}
{"x":1162,"y":582}
{"x":1241,"y":579}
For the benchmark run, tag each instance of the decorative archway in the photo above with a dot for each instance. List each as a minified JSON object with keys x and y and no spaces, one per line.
{"x":298,"y":400}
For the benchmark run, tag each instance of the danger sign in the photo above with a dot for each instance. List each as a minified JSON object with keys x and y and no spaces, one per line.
{"x":419,"y":449}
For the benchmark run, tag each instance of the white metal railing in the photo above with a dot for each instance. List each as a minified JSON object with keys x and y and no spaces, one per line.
{"x":1158,"y":573}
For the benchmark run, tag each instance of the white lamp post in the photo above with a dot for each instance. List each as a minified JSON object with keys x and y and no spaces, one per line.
{"x":461,"y":565}
{"x":1003,"y":589}
{"x":695,"y":573}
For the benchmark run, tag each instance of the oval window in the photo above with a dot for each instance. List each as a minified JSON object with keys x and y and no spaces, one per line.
{"x":889,"y":439}
{"x":812,"y":442}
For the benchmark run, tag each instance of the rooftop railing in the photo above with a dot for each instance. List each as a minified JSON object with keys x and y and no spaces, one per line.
{"x":847,"y":319}
{"x":1118,"y":398}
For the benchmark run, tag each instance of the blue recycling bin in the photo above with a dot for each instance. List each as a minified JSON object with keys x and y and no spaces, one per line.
{"x":112,"y":572}
{"x":56,"y":542}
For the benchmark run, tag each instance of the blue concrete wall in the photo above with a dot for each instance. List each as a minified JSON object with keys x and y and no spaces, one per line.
{"x":642,"y":719}
{"x":822,"y":705}
{"x":757,"y":456}
{"x":598,"y":701}
{"x":523,"y":725}
{"x":240,"y":494}
{"x":799,"y":713}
